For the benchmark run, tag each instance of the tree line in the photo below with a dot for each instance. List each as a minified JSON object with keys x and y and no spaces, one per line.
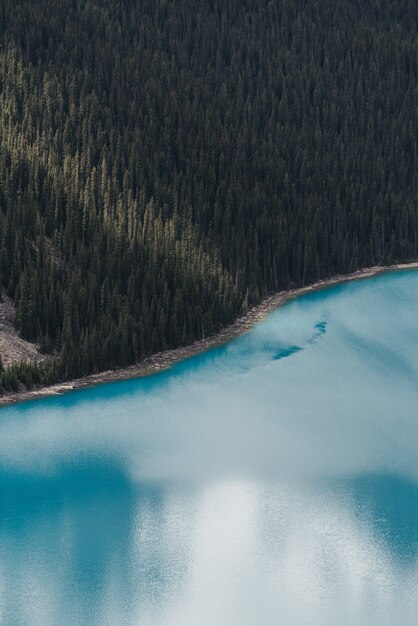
{"x":165,"y":164}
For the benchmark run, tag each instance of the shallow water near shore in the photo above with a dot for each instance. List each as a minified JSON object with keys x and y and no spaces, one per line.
{"x":272,"y":480}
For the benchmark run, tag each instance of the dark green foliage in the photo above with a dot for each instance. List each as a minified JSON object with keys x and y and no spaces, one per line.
{"x":165,"y":164}
{"x":28,"y":374}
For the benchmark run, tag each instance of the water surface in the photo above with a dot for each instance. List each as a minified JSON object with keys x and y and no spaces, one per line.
{"x":270,"y":481}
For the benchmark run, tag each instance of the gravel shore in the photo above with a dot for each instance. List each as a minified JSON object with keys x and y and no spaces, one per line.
{"x":163,"y":360}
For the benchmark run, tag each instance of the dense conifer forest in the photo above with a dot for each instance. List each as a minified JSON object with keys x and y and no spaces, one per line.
{"x":164,"y":164}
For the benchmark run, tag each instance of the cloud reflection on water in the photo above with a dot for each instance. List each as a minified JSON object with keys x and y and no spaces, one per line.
{"x":236,"y":482}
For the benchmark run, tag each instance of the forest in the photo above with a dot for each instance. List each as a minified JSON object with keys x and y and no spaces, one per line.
{"x":166,"y":164}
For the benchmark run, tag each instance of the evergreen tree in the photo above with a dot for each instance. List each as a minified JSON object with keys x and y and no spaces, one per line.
{"x":165,"y":165}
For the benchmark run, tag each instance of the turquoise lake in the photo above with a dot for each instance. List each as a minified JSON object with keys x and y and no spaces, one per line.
{"x":272,"y":481}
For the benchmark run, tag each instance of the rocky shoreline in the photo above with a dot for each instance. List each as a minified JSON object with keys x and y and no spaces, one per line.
{"x":163,"y":360}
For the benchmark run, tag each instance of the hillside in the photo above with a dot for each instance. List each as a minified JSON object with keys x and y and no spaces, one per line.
{"x":182,"y":160}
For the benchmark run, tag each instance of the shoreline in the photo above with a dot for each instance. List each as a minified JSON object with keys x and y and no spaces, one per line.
{"x":164,"y":360}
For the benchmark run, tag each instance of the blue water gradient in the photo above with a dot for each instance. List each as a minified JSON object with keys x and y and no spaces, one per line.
{"x":272,"y":480}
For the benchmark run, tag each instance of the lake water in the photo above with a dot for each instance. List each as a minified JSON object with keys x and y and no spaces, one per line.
{"x":269,"y":482}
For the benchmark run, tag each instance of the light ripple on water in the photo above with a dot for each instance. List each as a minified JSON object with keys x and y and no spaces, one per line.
{"x":272,"y":480}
